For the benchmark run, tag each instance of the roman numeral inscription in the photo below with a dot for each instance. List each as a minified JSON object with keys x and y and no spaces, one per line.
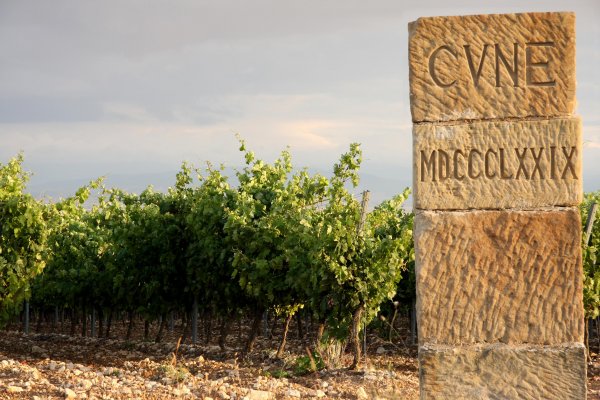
{"x":480,"y":66}
{"x":497,"y":178}
{"x":497,"y":164}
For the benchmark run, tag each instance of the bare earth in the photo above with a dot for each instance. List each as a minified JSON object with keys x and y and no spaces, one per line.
{"x":54,"y":366}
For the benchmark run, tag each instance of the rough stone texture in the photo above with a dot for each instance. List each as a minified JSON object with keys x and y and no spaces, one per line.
{"x":499,"y":276}
{"x":501,"y":372}
{"x":492,"y":150}
{"x":528,"y":91}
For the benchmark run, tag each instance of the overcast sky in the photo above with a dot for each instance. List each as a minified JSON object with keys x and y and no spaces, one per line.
{"x":130,"y":89}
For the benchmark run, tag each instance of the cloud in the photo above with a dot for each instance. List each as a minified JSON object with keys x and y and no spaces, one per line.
{"x":591,"y":135}
{"x":128,"y":112}
{"x":128,"y":87}
{"x":312,"y":134}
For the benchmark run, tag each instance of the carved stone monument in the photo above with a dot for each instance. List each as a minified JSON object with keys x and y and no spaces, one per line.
{"x":497,"y":180}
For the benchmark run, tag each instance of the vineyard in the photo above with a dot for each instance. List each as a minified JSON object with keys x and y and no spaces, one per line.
{"x":226,"y":261}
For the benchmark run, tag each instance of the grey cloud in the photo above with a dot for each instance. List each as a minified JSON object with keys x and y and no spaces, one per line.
{"x":43,"y":109}
{"x":134,"y":87}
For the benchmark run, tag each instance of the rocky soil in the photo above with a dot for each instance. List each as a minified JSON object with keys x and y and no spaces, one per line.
{"x":55,"y":366}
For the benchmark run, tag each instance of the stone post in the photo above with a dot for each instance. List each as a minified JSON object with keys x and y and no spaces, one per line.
{"x":497,"y":180}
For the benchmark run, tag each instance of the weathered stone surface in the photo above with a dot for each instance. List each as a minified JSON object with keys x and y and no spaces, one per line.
{"x":492,"y":66}
{"x":495,"y":165}
{"x":499,"y":276}
{"x":503,"y":372}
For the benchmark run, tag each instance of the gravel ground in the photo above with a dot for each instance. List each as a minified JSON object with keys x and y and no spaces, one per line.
{"x":50,"y":366}
{"x":55,"y":366}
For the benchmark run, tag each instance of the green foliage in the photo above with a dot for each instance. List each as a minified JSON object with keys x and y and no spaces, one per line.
{"x":304,"y":364}
{"x":75,"y":246}
{"x":209,"y":268}
{"x":296,"y":240}
{"x":283,"y":239}
{"x":262,"y":226}
{"x":591,"y":259}
{"x":341,"y":269}
{"x":148,"y":248}
{"x":23,"y":235}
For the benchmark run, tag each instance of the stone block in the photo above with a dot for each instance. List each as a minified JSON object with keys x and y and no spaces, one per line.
{"x":499,"y":277}
{"x":501,"y":372}
{"x":497,"y":164}
{"x":492,"y":66}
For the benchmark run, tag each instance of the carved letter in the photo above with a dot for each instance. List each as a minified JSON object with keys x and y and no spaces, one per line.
{"x":569,"y":165}
{"x":489,"y":174}
{"x":536,"y":159}
{"x":553,"y":162}
{"x":443,"y":165}
{"x":503,"y":174}
{"x":456,"y":175}
{"x":521,"y":157}
{"x":428,"y":165}
{"x":470,"y":166}
{"x":529,"y":64}
{"x":475,"y":75}
{"x":432,"y":72}
{"x":514,"y":71}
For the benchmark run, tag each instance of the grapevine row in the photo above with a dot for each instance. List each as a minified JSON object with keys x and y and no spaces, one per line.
{"x":280,"y":239}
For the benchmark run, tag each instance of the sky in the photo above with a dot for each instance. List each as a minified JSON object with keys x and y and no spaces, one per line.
{"x":129,"y":89}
